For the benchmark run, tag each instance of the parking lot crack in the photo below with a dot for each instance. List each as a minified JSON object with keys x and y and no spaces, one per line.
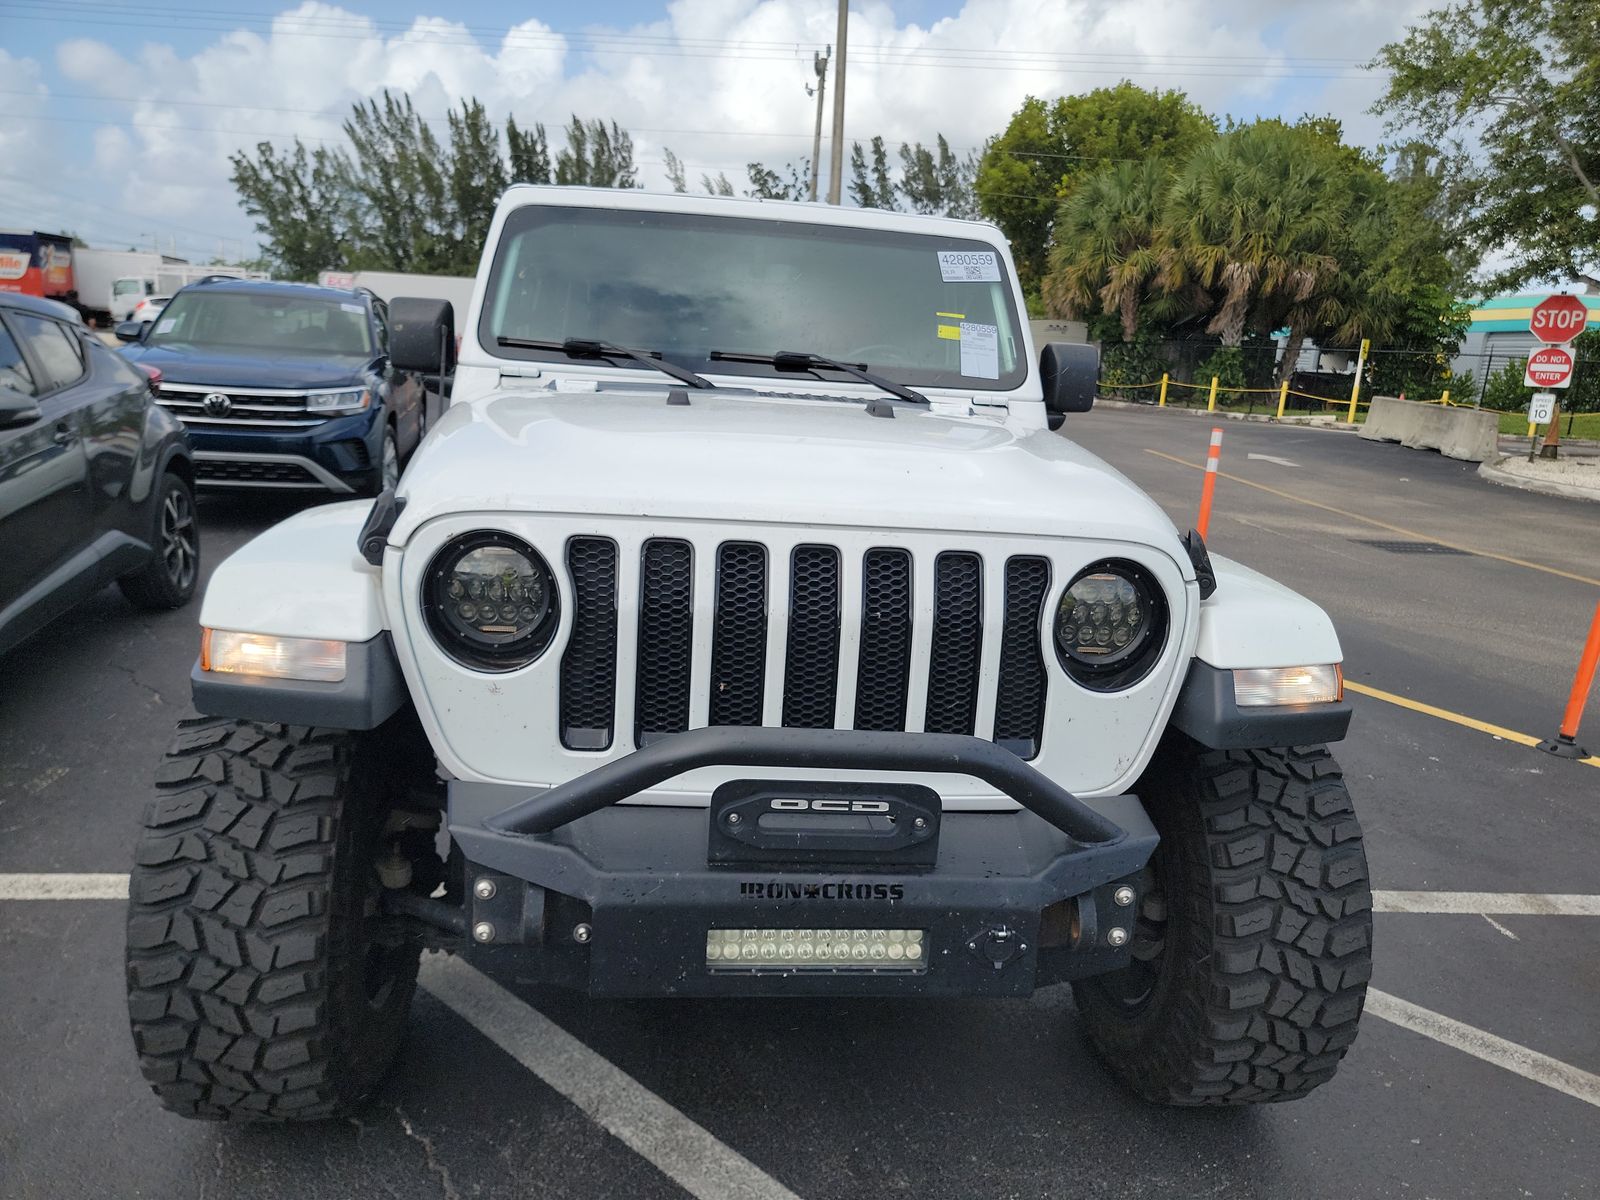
{"x":434,"y":1165}
{"x":133,"y":677}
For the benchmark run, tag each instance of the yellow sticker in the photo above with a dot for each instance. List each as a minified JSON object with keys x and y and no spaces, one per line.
{"x":957,"y":316}
{"x":951,"y":333}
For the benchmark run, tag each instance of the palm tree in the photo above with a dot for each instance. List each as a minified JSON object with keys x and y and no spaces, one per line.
{"x":1255,"y":219}
{"x":1107,"y":244}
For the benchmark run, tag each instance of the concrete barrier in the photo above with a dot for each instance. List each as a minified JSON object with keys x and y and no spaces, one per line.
{"x":1465,"y":433}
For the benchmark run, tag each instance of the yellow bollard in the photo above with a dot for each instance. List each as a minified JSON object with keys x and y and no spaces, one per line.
{"x":1162,"y":403}
{"x":1212,"y":405}
{"x":1445,"y":399}
{"x":1283,"y":398}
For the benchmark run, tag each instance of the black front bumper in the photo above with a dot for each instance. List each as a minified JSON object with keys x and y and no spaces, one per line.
{"x":618,"y":901}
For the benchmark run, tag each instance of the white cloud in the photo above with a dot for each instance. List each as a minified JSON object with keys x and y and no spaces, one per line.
{"x":719,"y":81}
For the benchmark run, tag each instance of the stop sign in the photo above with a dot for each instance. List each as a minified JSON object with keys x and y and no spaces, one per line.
{"x":1558,"y":318}
{"x":1549,"y":367}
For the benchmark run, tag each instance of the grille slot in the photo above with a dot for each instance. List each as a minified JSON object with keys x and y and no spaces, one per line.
{"x":957,"y":643}
{"x":666,"y":638}
{"x":884,"y":674}
{"x":589,"y":667}
{"x":1019,"y":704}
{"x":811,"y":667}
{"x":739,"y":635}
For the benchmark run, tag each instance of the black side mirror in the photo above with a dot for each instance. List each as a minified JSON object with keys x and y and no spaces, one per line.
{"x":422,"y":335}
{"x":16,"y":408}
{"x":132,"y":331}
{"x":1070,"y":372}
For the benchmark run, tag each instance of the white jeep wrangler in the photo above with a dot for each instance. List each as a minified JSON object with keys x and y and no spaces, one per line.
{"x":745,"y":628}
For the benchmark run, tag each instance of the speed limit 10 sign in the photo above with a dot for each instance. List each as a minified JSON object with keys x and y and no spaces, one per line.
{"x":1541,"y":408}
{"x":1557,"y":319}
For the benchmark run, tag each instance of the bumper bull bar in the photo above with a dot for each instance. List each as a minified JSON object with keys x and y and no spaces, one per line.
{"x":619,"y":901}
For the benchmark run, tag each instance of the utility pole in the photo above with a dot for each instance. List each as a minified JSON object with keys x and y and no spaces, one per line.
{"x":836,"y":151}
{"x":820,"y":62}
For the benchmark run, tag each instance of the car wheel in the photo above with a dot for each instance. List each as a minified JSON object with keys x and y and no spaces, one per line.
{"x":263,"y":982}
{"x":1252,"y":942}
{"x":389,"y":464}
{"x":168,"y":580}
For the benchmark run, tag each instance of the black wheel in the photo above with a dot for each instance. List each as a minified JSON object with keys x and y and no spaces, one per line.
{"x":388,"y":474}
{"x":168,"y":580}
{"x":1252,"y":945}
{"x":261,"y":985}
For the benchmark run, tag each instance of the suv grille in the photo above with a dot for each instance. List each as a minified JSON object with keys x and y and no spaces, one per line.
{"x":814,"y":657}
{"x":211,"y":470}
{"x":258,"y":406}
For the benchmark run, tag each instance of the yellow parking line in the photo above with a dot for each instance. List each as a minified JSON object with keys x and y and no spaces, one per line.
{"x":1426,"y":537}
{"x":1455,"y":718}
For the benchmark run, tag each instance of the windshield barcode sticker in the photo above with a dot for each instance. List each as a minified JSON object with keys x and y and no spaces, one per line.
{"x":969,"y":266}
{"x":980,"y":350}
{"x":165,"y":324}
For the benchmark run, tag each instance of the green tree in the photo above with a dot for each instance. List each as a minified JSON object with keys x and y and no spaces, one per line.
{"x":1047,"y":148}
{"x":875,"y":189}
{"x":400,"y":183}
{"x":1108,"y":245}
{"x":1509,"y":92}
{"x":528,"y":152}
{"x":302,"y":205}
{"x":1254,"y":220}
{"x":676,"y":175}
{"x":477,"y":180}
{"x":767,"y":184}
{"x":596,"y":155}
{"x":934,"y":180}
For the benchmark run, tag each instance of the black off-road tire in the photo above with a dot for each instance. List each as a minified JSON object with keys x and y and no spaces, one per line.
{"x":1253,"y":943}
{"x":254,"y":988}
{"x":169,"y":579}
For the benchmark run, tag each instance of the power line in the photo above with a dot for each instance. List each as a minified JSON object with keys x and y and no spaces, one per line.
{"x":899,"y":58}
{"x":364,"y":27}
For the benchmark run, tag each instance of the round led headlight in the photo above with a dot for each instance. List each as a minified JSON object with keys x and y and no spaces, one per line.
{"x":1109,"y":625}
{"x":490,"y":601}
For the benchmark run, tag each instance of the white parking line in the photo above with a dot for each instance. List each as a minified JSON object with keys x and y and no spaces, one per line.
{"x":1530,"y":1064}
{"x":63,"y":887}
{"x":677,"y":1147}
{"x":1499,"y":904}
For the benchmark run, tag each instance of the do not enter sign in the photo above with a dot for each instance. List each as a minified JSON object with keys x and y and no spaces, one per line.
{"x":1549,"y":367}
{"x":1557,"y":319}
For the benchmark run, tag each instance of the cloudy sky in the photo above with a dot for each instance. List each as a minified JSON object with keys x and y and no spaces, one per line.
{"x":117,"y":119}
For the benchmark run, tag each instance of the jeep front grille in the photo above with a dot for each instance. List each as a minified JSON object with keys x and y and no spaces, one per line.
{"x":817,"y":648}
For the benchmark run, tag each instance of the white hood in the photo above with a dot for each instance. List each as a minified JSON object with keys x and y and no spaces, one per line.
{"x":771,"y":460}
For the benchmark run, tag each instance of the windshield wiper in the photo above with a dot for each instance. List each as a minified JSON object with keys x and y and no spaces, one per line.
{"x":584,"y":348}
{"x":799,"y":360}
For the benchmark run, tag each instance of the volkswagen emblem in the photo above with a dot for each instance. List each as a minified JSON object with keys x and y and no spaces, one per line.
{"x":217,"y":404}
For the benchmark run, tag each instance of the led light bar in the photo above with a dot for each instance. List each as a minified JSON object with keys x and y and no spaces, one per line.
{"x":226,"y":652}
{"x":1263,"y":686}
{"x":817,"y":949}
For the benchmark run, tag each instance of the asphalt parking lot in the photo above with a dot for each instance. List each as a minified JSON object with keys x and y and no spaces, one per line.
{"x":1477,"y":1072}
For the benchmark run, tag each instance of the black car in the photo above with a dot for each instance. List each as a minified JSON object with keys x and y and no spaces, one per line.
{"x":283,"y":385}
{"x":96,"y":479}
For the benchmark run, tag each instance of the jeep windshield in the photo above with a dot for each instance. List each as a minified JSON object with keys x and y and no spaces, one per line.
{"x":284,"y":323}
{"x":922,"y":309}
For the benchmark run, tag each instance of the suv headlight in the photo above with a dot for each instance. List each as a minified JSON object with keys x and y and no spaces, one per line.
{"x":354,"y":400}
{"x":1110,"y":625}
{"x":490,"y":601}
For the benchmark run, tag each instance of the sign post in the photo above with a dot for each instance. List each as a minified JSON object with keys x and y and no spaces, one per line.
{"x":1540,"y":409}
{"x":1555,"y":321}
{"x":1355,"y":388}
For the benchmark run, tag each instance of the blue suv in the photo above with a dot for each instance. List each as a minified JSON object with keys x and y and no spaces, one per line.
{"x":283,"y":385}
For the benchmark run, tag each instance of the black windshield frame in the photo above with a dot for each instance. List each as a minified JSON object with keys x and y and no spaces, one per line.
{"x":998,"y":296}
